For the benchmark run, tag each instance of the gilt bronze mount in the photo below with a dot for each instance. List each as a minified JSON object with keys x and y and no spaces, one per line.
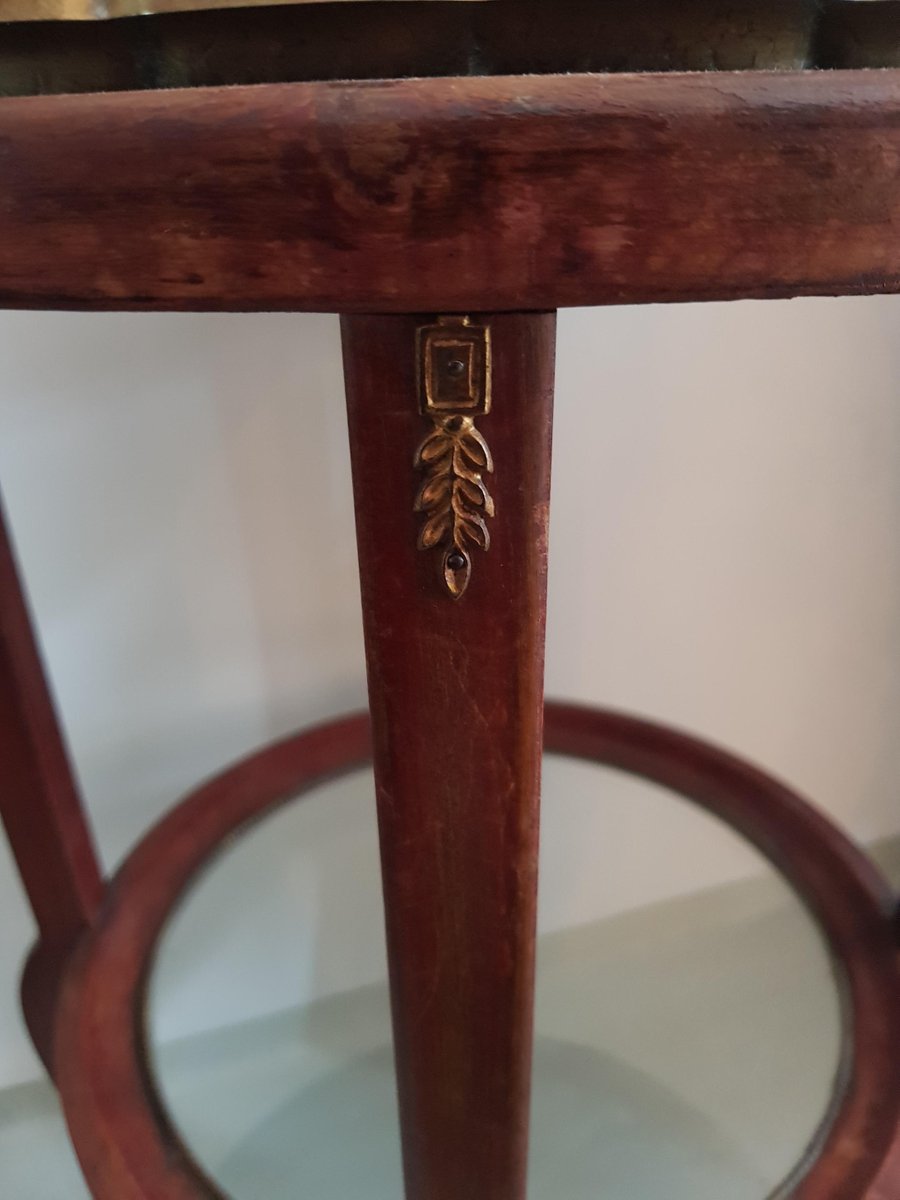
{"x":454,"y":372}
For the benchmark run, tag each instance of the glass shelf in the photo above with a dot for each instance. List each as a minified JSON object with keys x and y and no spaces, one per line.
{"x":688,"y":1026}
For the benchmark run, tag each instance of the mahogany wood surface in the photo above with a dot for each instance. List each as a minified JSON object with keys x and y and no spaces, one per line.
{"x":124,"y":1139}
{"x":456,"y":695}
{"x":40,"y":806}
{"x":454,"y":194}
{"x":439,"y":195}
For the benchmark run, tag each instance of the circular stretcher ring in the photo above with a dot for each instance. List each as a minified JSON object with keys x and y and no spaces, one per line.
{"x":126,"y":1144}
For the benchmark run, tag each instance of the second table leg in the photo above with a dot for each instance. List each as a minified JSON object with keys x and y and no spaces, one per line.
{"x":41,"y":808}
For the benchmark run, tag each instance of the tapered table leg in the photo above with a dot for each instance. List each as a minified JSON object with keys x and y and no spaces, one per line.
{"x":40,"y":806}
{"x":454,"y":643}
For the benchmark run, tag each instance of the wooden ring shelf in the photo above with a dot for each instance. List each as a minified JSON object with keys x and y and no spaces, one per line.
{"x":126,"y":1143}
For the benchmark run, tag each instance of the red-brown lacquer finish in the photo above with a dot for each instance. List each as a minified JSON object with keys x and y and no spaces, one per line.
{"x":415,"y":194}
{"x":457,"y":700}
{"x":41,"y":808}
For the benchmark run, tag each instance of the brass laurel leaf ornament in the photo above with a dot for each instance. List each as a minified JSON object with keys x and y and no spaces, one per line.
{"x":454,"y":359}
{"x":454,"y":496}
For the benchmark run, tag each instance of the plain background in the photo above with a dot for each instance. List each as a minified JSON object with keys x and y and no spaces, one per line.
{"x":724,"y":556}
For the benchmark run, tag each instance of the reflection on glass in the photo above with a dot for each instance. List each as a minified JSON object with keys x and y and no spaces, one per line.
{"x":688,"y":1028}
{"x":99,"y":10}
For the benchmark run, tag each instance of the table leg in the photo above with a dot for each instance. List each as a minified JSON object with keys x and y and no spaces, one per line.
{"x":41,"y":808}
{"x":454,"y":632}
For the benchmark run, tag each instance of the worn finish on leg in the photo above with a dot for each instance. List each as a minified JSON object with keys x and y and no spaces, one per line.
{"x":456,"y":692}
{"x":40,"y":806}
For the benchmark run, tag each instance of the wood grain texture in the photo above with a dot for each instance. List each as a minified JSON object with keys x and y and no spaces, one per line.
{"x":456,"y":694}
{"x":453,"y":194}
{"x":126,"y":1144}
{"x":41,"y":808}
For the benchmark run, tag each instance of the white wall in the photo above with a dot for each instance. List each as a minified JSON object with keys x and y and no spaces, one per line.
{"x":725,"y":556}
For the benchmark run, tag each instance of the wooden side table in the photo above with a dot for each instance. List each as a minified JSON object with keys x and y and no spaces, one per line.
{"x":583,"y":160}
